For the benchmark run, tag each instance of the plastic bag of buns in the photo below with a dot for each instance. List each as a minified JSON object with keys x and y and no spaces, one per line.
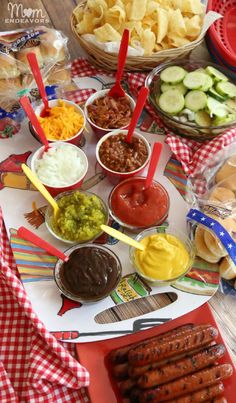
{"x":16,"y":79}
{"x":212,"y":191}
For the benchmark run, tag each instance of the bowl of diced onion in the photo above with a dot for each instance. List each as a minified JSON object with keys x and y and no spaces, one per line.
{"x":61,"y":168}
{"x":194,"y":99}
{"x":65,"y":121}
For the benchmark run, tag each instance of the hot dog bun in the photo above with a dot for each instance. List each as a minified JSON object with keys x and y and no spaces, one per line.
{"x":8,"y":67}
{"x":201,"y":248}
{"x":22,"y":57}
{"x":52,"y":46}
{"x":228,"y":169}
{"x":222,"y":194}
{"x":227,"y":268}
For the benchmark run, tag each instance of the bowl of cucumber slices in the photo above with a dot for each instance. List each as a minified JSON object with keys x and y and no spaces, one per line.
{"x":195,"y":99}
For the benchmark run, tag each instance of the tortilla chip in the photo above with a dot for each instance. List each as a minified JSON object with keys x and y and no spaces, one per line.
{"x":148,"y":41}
{"x":137,"y":10}
{"x":106,"y":33}
{"x":193,"y":26}
{"x":162,"y":24}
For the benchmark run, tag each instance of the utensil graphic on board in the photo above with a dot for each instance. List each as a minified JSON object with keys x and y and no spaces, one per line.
{"x":33,"y":62}
{"x":117,"y":91}
{"x":36,"y":240}
{"x":41,"y":188}
{"x":142,"y":96}
{"x":26,"y":105}
{"x":138,"y":325}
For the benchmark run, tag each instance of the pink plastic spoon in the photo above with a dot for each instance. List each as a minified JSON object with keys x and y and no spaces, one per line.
{"x":36,"y":240}
{"x":156,"y":152}
{"x":33,"y":62}
{"x":117,"y":91}
{"x":26,"y":105}
{"x":142,"y":96}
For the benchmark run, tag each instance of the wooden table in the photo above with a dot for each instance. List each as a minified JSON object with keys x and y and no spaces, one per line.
{"x":58,"y":13}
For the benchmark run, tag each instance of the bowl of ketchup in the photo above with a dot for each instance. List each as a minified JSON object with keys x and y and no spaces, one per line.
{"x":137,"y":208}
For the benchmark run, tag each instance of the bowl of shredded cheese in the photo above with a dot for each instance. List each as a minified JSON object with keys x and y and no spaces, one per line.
{"x":61,"y":168}
{"x":65,"y":121}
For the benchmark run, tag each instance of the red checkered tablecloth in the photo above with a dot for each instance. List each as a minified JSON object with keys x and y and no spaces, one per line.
{"x":34,"y":366}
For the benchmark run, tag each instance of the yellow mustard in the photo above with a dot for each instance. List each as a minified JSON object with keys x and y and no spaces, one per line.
{"x":165,"y":257}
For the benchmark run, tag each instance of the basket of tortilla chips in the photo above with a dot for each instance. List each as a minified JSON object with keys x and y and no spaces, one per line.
{"x":160,"y":30}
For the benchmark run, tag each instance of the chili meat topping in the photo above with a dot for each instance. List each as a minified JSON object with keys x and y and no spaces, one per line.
{"x":110,"y":113}
{"x":120,"y":156}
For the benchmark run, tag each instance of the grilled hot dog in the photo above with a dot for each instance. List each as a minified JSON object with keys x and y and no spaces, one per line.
{"x":202,"y":395}
{"x":187,"y":384}
{"x":182,"y":367}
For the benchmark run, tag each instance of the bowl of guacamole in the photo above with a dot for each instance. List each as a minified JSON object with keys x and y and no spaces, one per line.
{"x":79,"y":219}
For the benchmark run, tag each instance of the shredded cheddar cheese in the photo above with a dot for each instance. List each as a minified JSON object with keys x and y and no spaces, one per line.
{"x":63,"y":122}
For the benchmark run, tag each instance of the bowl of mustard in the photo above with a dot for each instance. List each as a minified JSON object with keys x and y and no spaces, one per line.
{"x":168,"y":255}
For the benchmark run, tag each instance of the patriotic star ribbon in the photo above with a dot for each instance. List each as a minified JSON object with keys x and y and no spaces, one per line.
{"x":218,"y":230}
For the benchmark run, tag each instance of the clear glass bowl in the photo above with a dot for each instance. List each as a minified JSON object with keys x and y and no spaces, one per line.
{"x":49,"y":218}
{"x":92,"y":298}
{"x":132,"y":227}
{"x":188,"y":129}
{"x":168,"y":230}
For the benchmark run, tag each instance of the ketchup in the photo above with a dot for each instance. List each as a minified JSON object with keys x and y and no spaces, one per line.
{"x":136,"y":206}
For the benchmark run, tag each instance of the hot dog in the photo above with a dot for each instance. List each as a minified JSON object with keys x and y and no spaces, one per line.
{"x":126,"y":386}
{"x":160,"y":350}
{"x":120,"y":355}
{"x":121,"y":371}
{"x":182,"y":367}
{"x":202,"y":395}
{"x":218,"y":400}
{"x":187,"y":384}
{"x":136,"y":372}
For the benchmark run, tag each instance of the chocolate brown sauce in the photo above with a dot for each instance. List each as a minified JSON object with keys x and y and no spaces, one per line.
{"x":90,"y":272}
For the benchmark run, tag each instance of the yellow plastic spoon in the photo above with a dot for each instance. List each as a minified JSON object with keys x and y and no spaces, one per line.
{"x":41,"y":188}
{"x":122,"y":237}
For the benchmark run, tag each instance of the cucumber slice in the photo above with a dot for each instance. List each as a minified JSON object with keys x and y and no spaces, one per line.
{"x":195,"y":80}
{"x":214,"y":94}
{"x":218,"y":121}
{"x":180,"y":86}
{"x":171,"y":101}
{"x":231,"y":103}
{"x":216,"y":74}
{"x":208,"y":84}
{"x":195,"y":100}
{"x":173,"y":74}
{"x":226,"y":89}
{"x":202,"y":118}
{"x":216,"y":108}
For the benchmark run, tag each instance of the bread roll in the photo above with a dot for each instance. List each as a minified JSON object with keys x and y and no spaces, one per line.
{"x":201,"y":248}
{"x":11,"y":84}
{"x":22,"y":57}
{"x":225,"y":171}
{"x":222,"y":194}
{"x":8,"y":67}
{"x":52,"y":47}
{"x":59,"y":76}
{"x":227,"y":268}
{"x":212,"y":241}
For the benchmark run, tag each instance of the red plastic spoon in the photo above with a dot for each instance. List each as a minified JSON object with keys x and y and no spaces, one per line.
{"x":142,"y":96}
{"x":156,"y":152}
{"x":26,"y":105}
{"x":36,"y":240}
{"x":117,"y":91}
{"x":33,"y":62}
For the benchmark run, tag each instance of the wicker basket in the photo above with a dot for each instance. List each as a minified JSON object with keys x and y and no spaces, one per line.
{"x":108,"y":61}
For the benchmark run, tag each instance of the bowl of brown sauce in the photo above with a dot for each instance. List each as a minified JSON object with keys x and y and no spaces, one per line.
{"x":91,"y":273}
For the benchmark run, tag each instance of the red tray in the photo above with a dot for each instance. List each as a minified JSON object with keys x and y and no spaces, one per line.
{"x":93,"y":356}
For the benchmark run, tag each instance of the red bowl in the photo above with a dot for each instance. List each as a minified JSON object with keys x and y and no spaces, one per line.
{"x":55,"y":190}
{"x":116,"y":177}
{"x":76,"y":139}
{"x":100,"y":131}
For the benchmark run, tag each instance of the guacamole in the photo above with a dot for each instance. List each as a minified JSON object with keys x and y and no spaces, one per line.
{"x":80,"y":217}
